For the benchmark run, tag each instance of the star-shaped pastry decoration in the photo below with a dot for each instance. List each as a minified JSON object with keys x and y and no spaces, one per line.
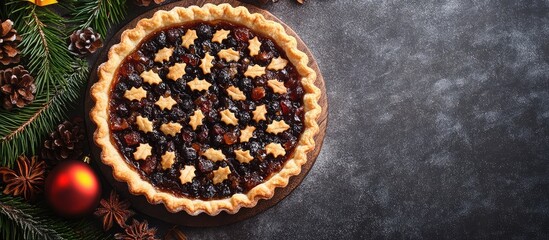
{"x":144,"y":124}
{"x":206,"y":63}
{"x":228,"y":117}
{"x":214,"y":155}
{"x":151,"y":77}
{"x":168,"y":159}
{"x":187,"y":174}
{"x":176,"y":71}
{"x":254,"y":71}
{"x":278,"y":87}
{"x":199,"y":85}
{"x":275,"y":149}
{"x":165,"y":102}
{"x":142,"y":152}
{"x":277,"y":64}
{"x":229,"y":55}
{"x":243,"y":156}
{"x":254,"y":46}
{"x":135,"y":94}
{"x":163,"y":54}
{"x":277,"y":127}
{"x":220,"y":35}
{"x":171,"y":128}
{"x":236,"y":94}
{"x":259,"y":113}
{"x":188,"y":38}
{"x":196,"y":119}
{"x":247,"y":133}
{"x":221,"y":174}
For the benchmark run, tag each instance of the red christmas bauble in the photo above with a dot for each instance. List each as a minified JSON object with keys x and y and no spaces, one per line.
{"x":72,"y":189}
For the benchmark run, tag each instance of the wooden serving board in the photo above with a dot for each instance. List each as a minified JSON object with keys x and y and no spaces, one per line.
{"x":140,"y":203}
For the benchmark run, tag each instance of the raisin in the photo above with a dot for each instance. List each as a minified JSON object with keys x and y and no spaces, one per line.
{"x":148,"y":166}
{"x":264,"y":57}
{"x":135,"y":80}
{"x":205,"y":165}
{"x":118,"y":124}
{"x":122,"y":110}
{"x":230,"y":138}
{"x":161,"y":39}
{"x":286,"y":107}
{"x":173,"y":36}
{"x":204,"y":31}
{"x":132,"y":139}
{"x":242,"y":34}
{"x":190,"y":153}
{"x":188,"y":136}
{"x":258,"y":93}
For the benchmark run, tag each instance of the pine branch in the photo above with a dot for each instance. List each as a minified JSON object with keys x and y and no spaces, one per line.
{"x":44,"y":44}
{"x":22,"y":130}
{"x":99,"y":14}
{"x":20,"y":220}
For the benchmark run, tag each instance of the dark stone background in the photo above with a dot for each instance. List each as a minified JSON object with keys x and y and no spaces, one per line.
{"x":438,"y":124}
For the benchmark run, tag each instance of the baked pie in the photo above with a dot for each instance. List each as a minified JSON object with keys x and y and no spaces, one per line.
{"x":205,"y":109}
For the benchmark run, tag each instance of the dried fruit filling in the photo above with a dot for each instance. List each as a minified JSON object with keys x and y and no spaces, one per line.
{"x":206,"y":110}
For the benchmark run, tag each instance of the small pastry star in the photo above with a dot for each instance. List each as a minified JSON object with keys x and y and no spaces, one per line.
{"x":176,"y":71}
{"x":142,"y":152}
{"x":165,"y":103}
{"x":171,"y":128}
{"x":229,"y":55}
{"x":150,"y":77}
{"x":188,"y":38}
{"x":236,"y":94}
{"x":247,"y":133}
{"x":187,"y":174}
{"x":199,"y":85}
{"x":277,"y":127}
{"x":259,"y":113}
{"x":228,"y":117}
{"x":243,"y":156}
{"x":220,"y":35}
{"x":254,"y":71}
{"x":206,"y":63}
{"x":168,"y":159}
{"x":196,"y":119}
{"x":275,"y":149}
{"x":254,"y":46}
{"x":163,"y":54}
{"x":278,"y":87}
{"x":221,"y":174}
{"x":277,"y":64}
{"x":214,"y":155}
{"x":135,"y":94}
{"x":144,"y":124}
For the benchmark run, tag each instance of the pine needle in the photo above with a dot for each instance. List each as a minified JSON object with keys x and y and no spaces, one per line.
{"x":20,"y":220}
{"x":99,"y":14}
{"x":44,"y":46}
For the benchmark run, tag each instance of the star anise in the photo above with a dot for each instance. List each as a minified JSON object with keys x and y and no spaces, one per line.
{"x":26,"y":179}
{"x":114,"y":210}
{"x":137,"y":231}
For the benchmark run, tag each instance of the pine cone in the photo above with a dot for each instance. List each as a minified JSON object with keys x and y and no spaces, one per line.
{"x":8,"y":43}
{"x":65,"y":143}
{"x":146,"y":3}
{"x":16,"y":87}
{"x":85,"y":41}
